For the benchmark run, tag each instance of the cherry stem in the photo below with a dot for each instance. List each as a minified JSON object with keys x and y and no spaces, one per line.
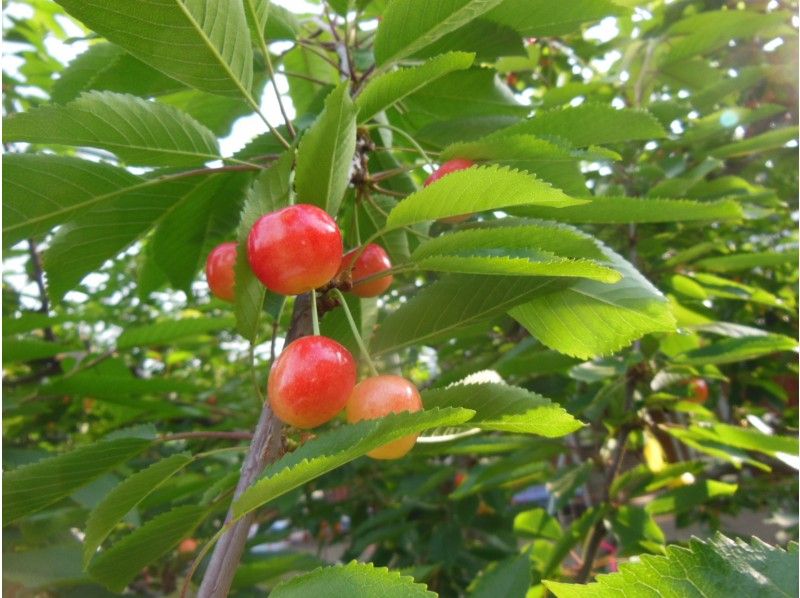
{"x":384,"y":273}
{"x":314,"y":314}
{"x":354,"y":328}
{"x":408,"y":137}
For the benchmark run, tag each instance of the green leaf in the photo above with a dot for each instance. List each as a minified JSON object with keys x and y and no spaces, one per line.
{"x":544,"y":18}
{"x":108,"y":67}
{"x":476,"y":189}
{"x":339,"y":446}
{"x":770,"y":140}
{"x":113,"y":223}
{"x":124,"y":497}
{"x":408,"y":26}
{"x":32,"y":487}
{"x":589,"y":124}
{"x":468,"y":299}
{"x":520,"y":263}
{"x":731,"y":442}
{"x":637,"y":530}
{"x":701,"y":286}
{"x":203,"y":43}
{"x":171,"y":330}
{"x":577,"y":531}
{"x":28,"y":321}
{"x":549,"y":161}
{"x":746,"y":261}
{"x":216,"y":112}
{"x":505,"y":408}
{"x":488,"y":40}
{"x":510,"y":578}
{"x":43,"y":567}
{"x":29,"y":349}
{"x":276,"y":22}
{"x":686,"y":498}
{"x":118,"y":565}
{"x":537,"y":523}
{"x":733,"y":350}
{"x":41,"y":191}
{"x":526,"y":249}
{"x":272,"y":567}
{"x":444,"y":98}
{"x":620,"y":210}
{"x":714,"y":568}
{"x":591,"y":318}
{"x":326,"y":152}
{"x":441,"y":133}
{"x":387,"y":89}
{"x":270,"y":191}
{"x":139,"y":132}
{"x":354,"y":580}
{"x":102,"y":386}
{"x":192,"y":228}
{"x":709,"y":30}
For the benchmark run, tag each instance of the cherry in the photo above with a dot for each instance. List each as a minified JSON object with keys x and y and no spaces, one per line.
{"x":187,"y":546}
{"x":311,"y":381}
{"x":295,"y":249}
{"x":220,"y":270}
{"x":698,"y":390}
{"x":371,"y":261}
{"x":379,"y":396}
{"x":447,"y":168}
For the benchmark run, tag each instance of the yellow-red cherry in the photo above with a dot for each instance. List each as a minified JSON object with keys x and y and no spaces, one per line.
{"x":373,"y":260}
{"x":698,"y":390}
{"x":295,"y":249}
{"x":379,"y":396}
{"x":449,"y":167}
{"x":220,"y":271}
{"x":311,"y":381}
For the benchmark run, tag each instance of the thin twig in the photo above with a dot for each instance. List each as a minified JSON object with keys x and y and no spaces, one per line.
{"x":313,"y":49}
{"x":301,"y":76}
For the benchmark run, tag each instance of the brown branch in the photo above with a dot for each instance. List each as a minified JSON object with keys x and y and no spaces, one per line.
{"x":265,"y":448}
{"x":599,"y":530}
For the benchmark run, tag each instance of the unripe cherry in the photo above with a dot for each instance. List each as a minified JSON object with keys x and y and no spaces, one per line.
{"x":311,"y":381}
{"x":371,"y":261}
{"x":449,"y":167}
{"x":295,"y":249}
{"x":220,"y":271}
{"x":379,"y":396}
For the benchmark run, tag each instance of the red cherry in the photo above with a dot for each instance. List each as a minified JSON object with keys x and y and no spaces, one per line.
{"x":379,"y":396}
{"x":448,"y":167}
{"x":371,"y":261}
{"x":698,"y":390}
{"x":295,"y":249}
{"x":220,"y":270}
{"x":512,"y":79}
{"x":311,"y":381}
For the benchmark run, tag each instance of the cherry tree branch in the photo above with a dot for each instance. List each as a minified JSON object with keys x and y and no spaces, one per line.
{"x":265,"y":448}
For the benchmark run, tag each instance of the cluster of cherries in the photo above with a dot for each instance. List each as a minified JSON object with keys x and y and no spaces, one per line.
{"x":298,"y":249}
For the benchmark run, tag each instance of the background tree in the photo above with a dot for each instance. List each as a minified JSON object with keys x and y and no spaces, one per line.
{"x":605,"y":345}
